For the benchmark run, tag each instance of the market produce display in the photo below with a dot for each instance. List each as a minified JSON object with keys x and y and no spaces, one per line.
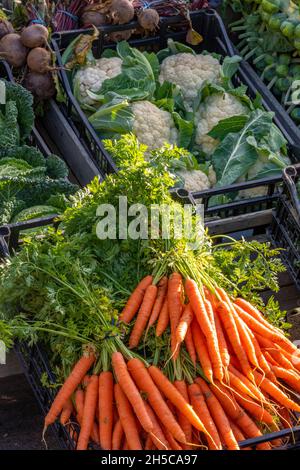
{"x":155,"y":345}
{"x":73,"y":14}
{"x":181,"y":98}
{"x":30,"y":184}
{"x":269,"y":37}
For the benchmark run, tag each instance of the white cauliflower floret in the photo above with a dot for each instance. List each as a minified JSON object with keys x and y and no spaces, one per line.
{"x":153,"y":126}
{"x":194,"y":180}
{"x":92,"y":77}
{"x":215,"y":108}
{"x":189,"y":71}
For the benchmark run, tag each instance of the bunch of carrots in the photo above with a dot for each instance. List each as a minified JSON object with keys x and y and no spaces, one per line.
{"x":241,"y":378}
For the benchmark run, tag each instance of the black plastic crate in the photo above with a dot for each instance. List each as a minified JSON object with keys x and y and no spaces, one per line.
{"x":210,"y":25}
{"x":285,"y":229}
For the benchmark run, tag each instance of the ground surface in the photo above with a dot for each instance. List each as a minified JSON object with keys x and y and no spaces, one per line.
{"x":21,"y":422}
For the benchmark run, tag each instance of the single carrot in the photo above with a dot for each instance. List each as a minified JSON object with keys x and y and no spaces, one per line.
{"x":275,"y":392}
{"x":238,"y":380}
{"x":238,"y":434}
{"x":79,"y":403}
{"x":163,"y":319}
{"x":285,"y":417}
{"x":162,"y":288}
{"x":157,"y":434}
{"x":143,"y":316}
{"x":135,"y":300}
{"x":199,"y":405}
{"x":174,"y":307}
{"x":219,"y":416}
{"x":105,"y":413}
{"x":69,"y":387}
{"x":227,"y":318}
{"x":262,"y":330}
{"x":235,"y":412}
{"x":184,"y":323}
{"x":89,"y":411}
{"x":263,"y":364}
{"x":127,"y":419}
{"x":205,"y":321}
{"x":274,"y":350}
{"x":255,"y":410}
{"x":129,"y":388}
{"x":246,"y":340}
{"x":190,"y":347}
{"x":202,"y":351}
{"x":169,"y":390}
{"x":173,"y":444}
{"x":182,"y":420}
{"x":289,"y":376}
{"x":225,"y":356}
{"x":254,"y":312}
{"x":66,"y":412}
{"x":144,"y":382}
{"x":117,"y":435}
{"x":148,"y":444}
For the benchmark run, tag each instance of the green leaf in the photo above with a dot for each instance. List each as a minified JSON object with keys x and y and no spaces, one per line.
{"x":229,"y":67}
{"x":174,"y":48}
{"x":114,"y":116}
{"x":109,"y":53}
{"x":234,"y":156}
{"x":225,"y":126}
{"x":186,"y":130}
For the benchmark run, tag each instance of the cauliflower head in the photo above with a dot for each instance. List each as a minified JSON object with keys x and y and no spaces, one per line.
{"x":92,"y":77}
{"x":194,"y":180}
{"x":215,"y":108}
{"x":153,"y":126}
{"x":189,"y":71}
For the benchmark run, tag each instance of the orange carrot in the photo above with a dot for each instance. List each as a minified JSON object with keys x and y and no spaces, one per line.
{"x":274,"y":350}
{"x":184,"y":323}
{"x":157,"y":434}
{"x":199,"y":405}
{"x":255,"y":410}
{"x":202,"y":352}
{"x":130,"y":390}
{"x":169,"y":390}
{"x":66,"y":412}
{"x":173,"y":444}
{"x":225,"y":356}
{"x":148,"y":443}
{"x":135,"y":300}
{"x":219,"y":416}
{"x":217,"y":362}
{"x":89,"y":411}
{"x":227,"y":318}
{"x":254,"y":312}
{"x":190,"y":347}
{"x":275,"y":392}
{"x":117,"y":436}
{"x":235,"y":412}
{"x":182,"y":420}
{"x":262,"y":330}
{"x":163,"y":319}
{"x":143,"y":316}
{"x":127,"y":419}
{"x":70,"y":385}
{"x":289,"y":376}
{"x":174,"y":307}
{"x":162,"y":288}
{"x":238,"y":380}
{"x":246,"y":340}
{"x":263,"y":364}
{"x":238,"y":434}
{"x":106,"y":393}
{"x":145,"y":383}
{"x":205,"y":321}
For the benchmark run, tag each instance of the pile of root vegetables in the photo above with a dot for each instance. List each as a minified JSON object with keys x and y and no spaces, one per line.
{"x":28,"y":51}
{"x":234,"y":375}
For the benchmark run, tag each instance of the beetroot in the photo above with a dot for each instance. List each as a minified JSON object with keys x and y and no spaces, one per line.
{"x":148,"y":19}
{"x":12,"y":50}
{"x":5,"y":28}
{"x":40,"y":84}
{"x":35,"y":35}
{"x":39,"y":60}
{"x":120,"y":11}
{"x":90,"y":17}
